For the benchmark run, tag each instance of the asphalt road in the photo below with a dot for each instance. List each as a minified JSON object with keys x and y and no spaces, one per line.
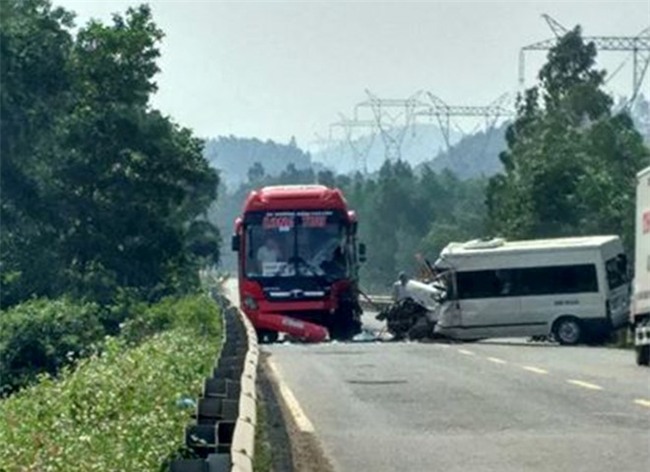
{"x":489,"y":406}
{"x":499,"y":405}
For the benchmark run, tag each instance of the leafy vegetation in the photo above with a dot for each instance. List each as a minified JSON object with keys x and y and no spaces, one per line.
{"x":117,"y":411}
{"x":42,"y":336}
{"x":191,"y":312}
{"x":100,"y":191}
{"x":571,"y":162}
{"x":103,"y":231}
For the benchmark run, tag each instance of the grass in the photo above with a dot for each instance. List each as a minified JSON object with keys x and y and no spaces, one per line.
{"x":115,"y":411}
{"x":262,"y":458}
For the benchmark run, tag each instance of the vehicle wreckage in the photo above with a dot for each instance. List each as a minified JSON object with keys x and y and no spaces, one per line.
{"x":569,"y":289}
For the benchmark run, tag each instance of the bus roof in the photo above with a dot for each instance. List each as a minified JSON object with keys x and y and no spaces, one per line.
{"x":295,"y":197}
{"x":502,"y":247}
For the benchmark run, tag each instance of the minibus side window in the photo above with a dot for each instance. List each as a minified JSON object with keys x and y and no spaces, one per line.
{"x":527,"y":281}
{"x":559,"y":279}
{"x":486,"y":283}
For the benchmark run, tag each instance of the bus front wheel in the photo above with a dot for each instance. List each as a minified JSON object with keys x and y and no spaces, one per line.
{"x":265,"y":336}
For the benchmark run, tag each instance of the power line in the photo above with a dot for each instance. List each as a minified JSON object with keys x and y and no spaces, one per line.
{"x":639,"y":45}
{"x":443,"y":112}
{"x":360,"y":147}
{"x":393,"y":117}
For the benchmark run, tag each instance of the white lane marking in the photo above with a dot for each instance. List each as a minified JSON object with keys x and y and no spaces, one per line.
{"x":537,"y":370}
{"x":642,"y":402}
{"x":299,"y":416}
{"x":588,"y":385}
{"x":466,"y":352}
{"x":496,"y":360}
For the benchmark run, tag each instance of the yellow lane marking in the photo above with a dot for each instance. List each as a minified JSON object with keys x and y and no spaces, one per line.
{"x":588,"y":385}
{"x":537,"y":370}
{"x":496,"y":360}
{"x":299,"y":416}
{"x":642,"y":402}
{"x":466,"y":352}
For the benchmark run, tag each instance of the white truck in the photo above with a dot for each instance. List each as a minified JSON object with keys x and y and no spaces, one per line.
{"x":640,"y":309}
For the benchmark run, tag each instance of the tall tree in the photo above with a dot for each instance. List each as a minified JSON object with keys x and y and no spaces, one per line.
{"x":570,"y":163}
{"x":35,"y":47}
{"x":114,"y":186}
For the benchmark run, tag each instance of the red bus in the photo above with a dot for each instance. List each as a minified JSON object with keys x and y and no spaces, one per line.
{"x":298,"y":263}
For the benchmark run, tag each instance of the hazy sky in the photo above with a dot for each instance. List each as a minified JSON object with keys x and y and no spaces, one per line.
{"x":276,"y":69}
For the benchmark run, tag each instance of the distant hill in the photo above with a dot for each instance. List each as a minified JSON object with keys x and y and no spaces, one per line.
{"x":421,"y":143}
{"x":475,"y":155}
{"x":470,"y":156}
{"x":234,"y":156}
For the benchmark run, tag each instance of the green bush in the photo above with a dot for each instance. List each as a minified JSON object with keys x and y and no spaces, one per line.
{"x":198,"y":313}
{"x":127,"y":304}
{"x":117,"y":410}
{"x":41,"y":336}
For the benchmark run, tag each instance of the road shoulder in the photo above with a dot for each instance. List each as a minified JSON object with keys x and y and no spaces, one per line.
{"x":292,"y":446}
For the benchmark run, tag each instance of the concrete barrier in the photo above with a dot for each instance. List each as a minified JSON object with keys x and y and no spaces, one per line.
{"x":226,"y":414}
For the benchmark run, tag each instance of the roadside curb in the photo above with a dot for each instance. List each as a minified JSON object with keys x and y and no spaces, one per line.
{"x":223,"y":435}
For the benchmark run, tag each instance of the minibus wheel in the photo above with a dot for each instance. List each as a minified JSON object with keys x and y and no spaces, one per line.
{"x":567,"y":330}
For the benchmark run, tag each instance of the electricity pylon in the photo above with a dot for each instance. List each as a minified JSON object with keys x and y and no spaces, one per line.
{"x":639,"y":45}
{"x":437,"y":108}
{"x":359,"y":147}
{"x":393,"y":117}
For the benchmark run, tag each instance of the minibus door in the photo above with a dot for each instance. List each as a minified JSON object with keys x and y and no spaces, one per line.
{"x":489,"y":306}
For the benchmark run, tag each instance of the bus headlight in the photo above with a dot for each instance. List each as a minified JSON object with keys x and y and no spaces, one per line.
{"x":250,"y":303}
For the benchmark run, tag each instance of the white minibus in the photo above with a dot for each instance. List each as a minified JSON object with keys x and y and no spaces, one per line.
{"x":576,"y":289}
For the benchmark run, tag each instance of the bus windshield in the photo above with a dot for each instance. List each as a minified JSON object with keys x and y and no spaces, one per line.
{"x":301,"y":243}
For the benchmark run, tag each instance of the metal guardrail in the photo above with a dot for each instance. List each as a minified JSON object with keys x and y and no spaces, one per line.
{"x":223,"y":435}
{"x":376,"y":302}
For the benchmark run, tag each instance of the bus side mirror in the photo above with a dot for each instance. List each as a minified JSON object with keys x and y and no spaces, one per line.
{"x":234,"y":243}
{"x":362,"y":252}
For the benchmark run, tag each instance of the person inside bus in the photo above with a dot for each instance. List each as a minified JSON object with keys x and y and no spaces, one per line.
{"x":269,"y":252}
{"x":335,"y":266}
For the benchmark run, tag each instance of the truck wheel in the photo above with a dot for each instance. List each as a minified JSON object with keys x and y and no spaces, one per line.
{"x":265,"y":336}
{"x":642,"y":355}
{"x":567,"y":331}
{"x":345,"y":329}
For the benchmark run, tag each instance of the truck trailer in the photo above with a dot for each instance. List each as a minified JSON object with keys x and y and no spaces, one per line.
{"x":640,"y":309}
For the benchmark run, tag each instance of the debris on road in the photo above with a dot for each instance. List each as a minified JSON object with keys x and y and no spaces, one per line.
{"x":407,"y":319}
